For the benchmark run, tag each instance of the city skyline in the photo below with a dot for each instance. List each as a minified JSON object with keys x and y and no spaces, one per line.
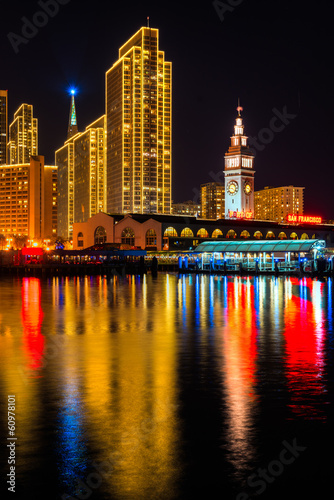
{"x":276,"y":68}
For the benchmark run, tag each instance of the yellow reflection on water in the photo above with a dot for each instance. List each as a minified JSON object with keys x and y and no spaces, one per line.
{"x":128,"y":368}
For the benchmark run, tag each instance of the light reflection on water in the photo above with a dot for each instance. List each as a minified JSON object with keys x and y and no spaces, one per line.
{"x":136,"y":384}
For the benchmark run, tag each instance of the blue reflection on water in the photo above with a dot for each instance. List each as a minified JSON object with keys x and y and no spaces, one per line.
{"x":71,"y":440}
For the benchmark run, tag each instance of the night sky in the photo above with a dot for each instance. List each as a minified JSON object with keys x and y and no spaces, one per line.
{"x":276,"y":56}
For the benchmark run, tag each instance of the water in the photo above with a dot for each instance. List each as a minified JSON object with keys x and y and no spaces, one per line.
{"x":168,"y":388}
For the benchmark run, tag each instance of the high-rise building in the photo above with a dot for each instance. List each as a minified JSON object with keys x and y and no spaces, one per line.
{"x":23,"y":135}
{"x":212,"y":200}
{"x":139,"y":127}
{"x":3,"y":126}
{"x":81,"y":174}
{"x":275,"y":204}
{"x":89,"y":171}
{"x":64,"y":159}
{"x":239,"y":175}
{"x":28,"y":199}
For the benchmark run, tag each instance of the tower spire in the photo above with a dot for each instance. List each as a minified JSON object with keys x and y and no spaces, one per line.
{"x":72,"y":121}
{"x":239,"y":108}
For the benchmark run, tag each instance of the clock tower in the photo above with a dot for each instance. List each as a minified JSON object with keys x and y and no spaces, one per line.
{"x":239,"y":175}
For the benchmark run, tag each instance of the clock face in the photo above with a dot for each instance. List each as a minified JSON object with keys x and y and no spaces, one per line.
{"x":232,"y":187}
{"x":248,"y":187}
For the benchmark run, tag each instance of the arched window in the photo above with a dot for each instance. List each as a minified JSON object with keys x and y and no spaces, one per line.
{"x":231,"y":234}
{"x":202,"y":233}
{"x":282,"y":236}
{"x":128,"y":236}
{"x":80,"y":240}
{"x":187,"y":233}
{"x":258,"y":235}
{"x":245,"y":234}
{"x":216,"y":233}
{"x":293,"y":236}
{"x":170,"y":231}
{"x":304,"y":236}
{"x":151,"y":238}
{"x":100,"y":235}
{"x":270,"y":235}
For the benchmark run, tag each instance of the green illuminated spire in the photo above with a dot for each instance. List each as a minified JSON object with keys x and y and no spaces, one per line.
{"x":72,"y":122}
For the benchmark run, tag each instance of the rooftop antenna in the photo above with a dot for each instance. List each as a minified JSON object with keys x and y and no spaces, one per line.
{"x":148,"y":21}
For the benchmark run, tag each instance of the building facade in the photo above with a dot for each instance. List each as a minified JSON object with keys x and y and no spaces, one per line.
{"x":212,"y":200}
{"x":139,"y":127}
{"x":81,"y":177}
{"x":276,"y":204}
{"x":239,"y":175}
{"x":89,"y":171}
{"x":64,"y":159}
{"x":3,"y":126}
{"x":186,"y":208}
{"x":172,"y":232}
{"x":28,"y":199}
{"x":23,"y":136}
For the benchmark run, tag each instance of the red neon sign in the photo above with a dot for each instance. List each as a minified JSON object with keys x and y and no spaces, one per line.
{"x":241,"y":215}
{"x":311,"y":219}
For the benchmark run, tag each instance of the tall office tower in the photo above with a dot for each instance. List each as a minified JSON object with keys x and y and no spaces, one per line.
{"x":239,"y":175}
{"x":28,"y":199}
{"x":139,"y":127}
{"x":212,"y":200}
{"x":276,"y":203}
{"x":23,"y":135}
{"x":89,"y":171}
{"x":64,"y":159}
{"x":72,"y":121}
{"x":3,"y":126}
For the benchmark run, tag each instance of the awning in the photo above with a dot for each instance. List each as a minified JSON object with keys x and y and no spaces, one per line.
{"x":253,"y":246}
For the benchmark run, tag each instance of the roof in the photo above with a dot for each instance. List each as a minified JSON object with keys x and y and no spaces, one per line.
{"x":260,"y":246}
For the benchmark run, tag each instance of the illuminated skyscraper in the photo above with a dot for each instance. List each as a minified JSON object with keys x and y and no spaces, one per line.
{"x":239,"y":175}
{"x":28,"y":199}
{"x":139,"y":127}
{"x":81,"y":177}
{"x":89,"y":171}
{"x":64,"y":159}
{"x":276,"y":203}
{"x":3,"y":126}
{"x":23,"y":135}
{"x":212,"y":200}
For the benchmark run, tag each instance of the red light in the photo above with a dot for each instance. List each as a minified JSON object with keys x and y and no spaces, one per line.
{"x":310,"y":219}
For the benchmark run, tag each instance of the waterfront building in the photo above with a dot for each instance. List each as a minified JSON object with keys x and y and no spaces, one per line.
{"x":174,"y":232}
{"x":212,"y":200}
{"x":139,"y":127}
{"x":276,"y":203}
{"x":239,"y":175}
{"x":23,"y":136}
{"x":186,"y":208}
{"x":28,"y":199}
{"x":3,"y":126}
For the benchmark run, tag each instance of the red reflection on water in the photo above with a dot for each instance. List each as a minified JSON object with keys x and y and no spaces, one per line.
{"x":304,"y":334}
{"x":239,"y":371}
{"x":242,"y":337}
{"x":32,"y":317}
